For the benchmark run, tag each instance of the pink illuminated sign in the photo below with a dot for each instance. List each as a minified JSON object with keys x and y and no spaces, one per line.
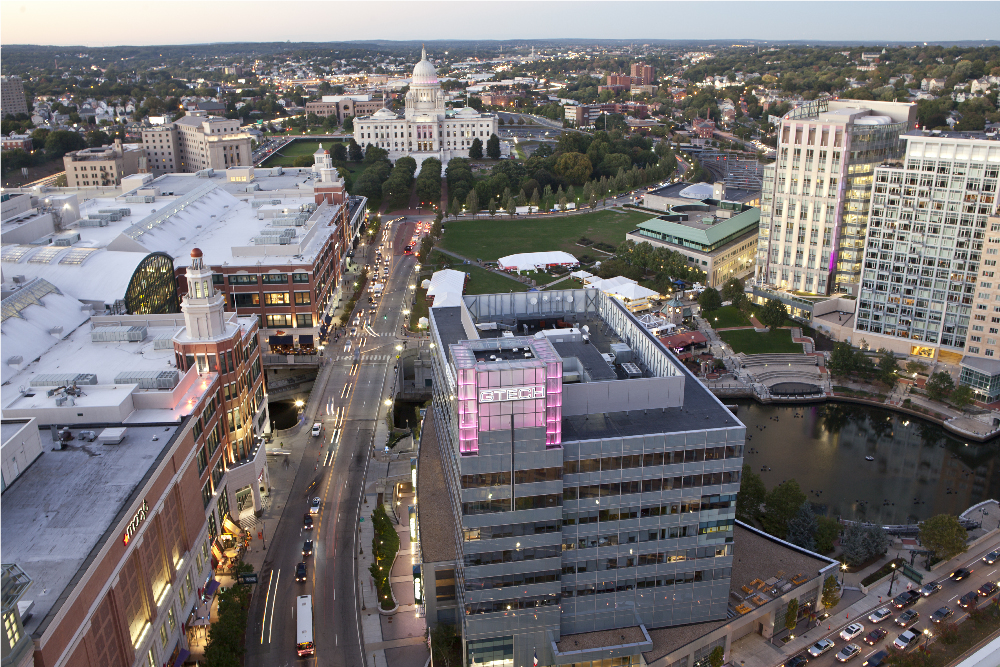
{"x":511,"y":394}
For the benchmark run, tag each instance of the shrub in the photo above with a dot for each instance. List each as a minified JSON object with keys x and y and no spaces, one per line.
{"x":385,"y":545}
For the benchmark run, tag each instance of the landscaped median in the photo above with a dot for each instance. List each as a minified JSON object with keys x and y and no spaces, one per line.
{"x":385,"y":546}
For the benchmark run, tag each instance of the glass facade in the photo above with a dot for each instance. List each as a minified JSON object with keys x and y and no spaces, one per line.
{"x":153,"y":287}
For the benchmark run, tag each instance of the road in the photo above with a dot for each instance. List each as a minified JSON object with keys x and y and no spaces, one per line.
{"x":947,"y":597}
{"x":350,"y":402}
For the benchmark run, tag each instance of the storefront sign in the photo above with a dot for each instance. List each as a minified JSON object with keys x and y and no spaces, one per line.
{"x":511,"y":394}
{"x":137,"y":519}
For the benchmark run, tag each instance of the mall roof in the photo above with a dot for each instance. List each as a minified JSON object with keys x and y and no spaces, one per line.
{"x":696,"y":231}
{"x":91,"y":274}
{"x":60,"y":512}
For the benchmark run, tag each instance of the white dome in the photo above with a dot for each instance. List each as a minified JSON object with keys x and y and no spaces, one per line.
{"x":424,"y":72}
{"x":384,"y":113}
{"x":467,"y":112}
{"x":697,"y":191}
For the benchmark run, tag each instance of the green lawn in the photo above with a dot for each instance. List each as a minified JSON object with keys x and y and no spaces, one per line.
{"x":490,"y":239}
{"x":569,"y":283}
{"x":419,"y":310}
{"x":727,"y":316}
{"x":481,"y":281}
{"x":286,"y":156}
{"x":750,"y":342}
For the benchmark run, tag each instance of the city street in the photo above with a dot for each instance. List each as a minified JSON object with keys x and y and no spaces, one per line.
{"x":349,"y":405}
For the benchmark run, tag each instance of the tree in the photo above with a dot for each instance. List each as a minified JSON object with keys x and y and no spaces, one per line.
{"x":773,"y":314}
{"x":732,"y":290}
{"x":60,"y":142}
{"x":354,"y":153}
{"x":493,"y":147}
{"x":303,"y":161}
{"x":961,"y":397}
{"x":831,"y":592}
{"x":782,"y":503}
{"x":751,"y":496}
{"x":915,"y":367}
{"x":887,"y":367}
{"x":349,"y":125}
{"x":455,"y":207}
{"x":875,"y":541}
{"x":943,"y":535}
{"x":802,"y":528}
{"x":338,"y":151}
{"x":841,"y":359}
{"x":826,"y":532}
{"x":443,"y":640}
{"x":98,"y":138}
{"x":472,"y":202}
{"x":717,"y":657}
{"x":939,"y":386}
{"x":792,"y":614}
{"x":492,"y":207}
{"x":476,"y":149}
{"x":709,"y":300}
{"x":574,"y":167}
{"x":853,"y":546}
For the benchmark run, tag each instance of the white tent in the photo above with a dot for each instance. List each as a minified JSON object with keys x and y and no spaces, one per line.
{"x":582,"y":275}
{"x":446,"y":281}
{"x":536,"y":261}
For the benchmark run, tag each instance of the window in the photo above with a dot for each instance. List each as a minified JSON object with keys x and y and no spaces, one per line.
{"x":303,"y":298}
{"x":245,"y":300}
{"x":300,"y":277}
{"x":276,"y":298}
{"x":274,"y":278}
{"x":163,"y":636}
{"x":11,"y":629}
{"x":304,"y":320}
{"x":276,"y":321}
{"x":243,"y":279}
{"x":171,"y":618}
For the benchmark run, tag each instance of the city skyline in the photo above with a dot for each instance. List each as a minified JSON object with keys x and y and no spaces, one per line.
{"x":76,"y":25}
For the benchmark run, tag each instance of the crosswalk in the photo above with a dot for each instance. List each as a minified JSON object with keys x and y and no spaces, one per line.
{"x":370,"y":358}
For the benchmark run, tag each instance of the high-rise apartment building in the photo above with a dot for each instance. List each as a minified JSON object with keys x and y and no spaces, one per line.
{"x":12,"y":99}
{"x":642,"y":74}
{"x":582,"y":498}
{"x":926,"y":278}
{"x":814,"y":207}
{"x":195,"y":142}
{"x":103,"y":166}
{"x":981,"y":363}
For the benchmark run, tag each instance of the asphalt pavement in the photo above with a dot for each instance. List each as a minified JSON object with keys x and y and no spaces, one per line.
{"x":348,"y":399}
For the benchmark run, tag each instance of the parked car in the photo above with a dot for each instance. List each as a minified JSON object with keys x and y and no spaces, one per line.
{"x":988,"y":589}
{"x":797,"y":661}
{"x":930,"y":588}
{"x":317,"y":428}
{"x":875,"y":659}
{"x":314,"y":505}
{"x":905,"y":599}
{"x":875,"y":636}
{"x":941,"y":614}
{"x":307,"y":548}
{"x":880,"y":615}
{"x":907,"y":618}
{"x":300,"y":572}
{"x":848,"y":652}
{"x":307,"y":522}
{"x":959,"y":574}
{"x":820,"y":647}
{"x":991,"y":557}
{"x":907,"y":640}
{"x":968,"y":600}
{"x":851,"y":631}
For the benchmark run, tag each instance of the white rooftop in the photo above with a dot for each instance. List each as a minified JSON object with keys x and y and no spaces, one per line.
{"x":530,"y":261}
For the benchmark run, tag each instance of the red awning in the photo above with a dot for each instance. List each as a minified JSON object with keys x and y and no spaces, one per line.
{"x":684,"y":339}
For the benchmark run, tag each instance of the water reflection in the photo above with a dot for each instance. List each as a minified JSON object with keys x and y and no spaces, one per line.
{"x":916,"y":469}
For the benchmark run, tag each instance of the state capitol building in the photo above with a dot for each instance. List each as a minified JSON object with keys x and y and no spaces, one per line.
{"x":426,"y":129}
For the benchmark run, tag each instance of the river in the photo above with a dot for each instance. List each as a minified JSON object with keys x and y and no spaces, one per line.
{"x":919,"y":469}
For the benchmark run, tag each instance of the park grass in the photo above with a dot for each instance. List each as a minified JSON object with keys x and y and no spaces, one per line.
{"x":727,"y":316}
{"x":749,"y":341}
{"x":286,"y":156}
{"x":569,"y":283}
{"x":419,"y":309}
{"x":489,"y":239}
{"x":481,"y":281}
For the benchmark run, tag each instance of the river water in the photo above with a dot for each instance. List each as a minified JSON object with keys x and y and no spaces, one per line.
{"x":919,"y":469}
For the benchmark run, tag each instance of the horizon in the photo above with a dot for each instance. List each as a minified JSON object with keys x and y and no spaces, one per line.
{"x":303,"y":22}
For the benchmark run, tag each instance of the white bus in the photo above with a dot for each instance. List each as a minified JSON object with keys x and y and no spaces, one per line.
{"x":304,"y":629}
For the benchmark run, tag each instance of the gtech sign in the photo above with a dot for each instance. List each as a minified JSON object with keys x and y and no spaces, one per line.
{"x":137,"y":519}
{"x":511,"y":394}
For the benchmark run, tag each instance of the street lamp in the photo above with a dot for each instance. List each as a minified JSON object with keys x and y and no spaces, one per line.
{"x":893,"y":580}
{"x":927,"y":637}
{"x":843,"y":571}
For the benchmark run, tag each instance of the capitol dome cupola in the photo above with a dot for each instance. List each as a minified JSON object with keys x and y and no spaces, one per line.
{"x":424,"y":72}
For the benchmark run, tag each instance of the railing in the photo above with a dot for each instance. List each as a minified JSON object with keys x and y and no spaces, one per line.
{"x":292,"y":359}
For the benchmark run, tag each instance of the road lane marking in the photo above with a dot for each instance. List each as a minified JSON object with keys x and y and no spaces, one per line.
{"x":271,"y":626}
{"x":270,"y":577}
{"x":990,"y":574}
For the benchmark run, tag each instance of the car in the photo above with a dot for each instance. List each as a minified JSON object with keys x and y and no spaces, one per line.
{"x":300,"y":572}
{"x":797,"y":661}
{"x":875,"y":659}
{"x":317,"y":428}
{"x":848,"y":652}
{"x":905,"y":599}
{"x":880,"y":615}
{"x":820,"y":647}
{"x":851,"y":631}
{"x":307,"y":548}
{"x":907,"y":640}
{"x":875,"y":636}
{"x":968,"y":600}
{"x":988,"y":589}
{"x":941,"y":614}
{"x":314,"y":505}
{"x":930,"y":588}
{"x":907,"y":618}
{"x":991,"y":557}
{"x":959,"y":574}
{"x":307,"y":522}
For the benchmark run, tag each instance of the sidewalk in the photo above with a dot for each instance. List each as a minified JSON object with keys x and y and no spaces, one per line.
{"x":755,"y":651}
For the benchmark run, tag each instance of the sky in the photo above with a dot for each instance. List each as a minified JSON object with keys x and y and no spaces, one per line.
{"x":163,"y":22}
